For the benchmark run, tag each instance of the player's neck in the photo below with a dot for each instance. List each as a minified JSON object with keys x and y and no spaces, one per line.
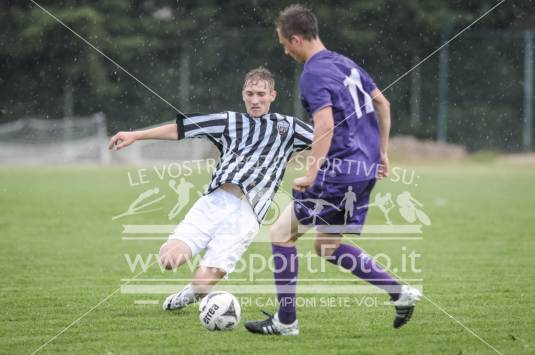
{"x":313,"y":47}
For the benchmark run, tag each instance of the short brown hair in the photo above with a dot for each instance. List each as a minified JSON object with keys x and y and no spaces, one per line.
{"x":260,"y":73}
{"x":296,"y":19}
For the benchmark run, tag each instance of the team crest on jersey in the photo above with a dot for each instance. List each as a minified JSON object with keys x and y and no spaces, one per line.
{"x":282,"y":127}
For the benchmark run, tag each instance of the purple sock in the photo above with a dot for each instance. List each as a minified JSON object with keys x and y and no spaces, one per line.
{"x":361,"y":265}
{"x":285,"y":275}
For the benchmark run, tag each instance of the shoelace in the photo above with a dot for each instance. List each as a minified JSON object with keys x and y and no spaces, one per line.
{"x":270,"y":315}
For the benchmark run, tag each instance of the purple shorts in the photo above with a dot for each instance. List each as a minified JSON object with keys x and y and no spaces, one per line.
{"x":334,"y":208}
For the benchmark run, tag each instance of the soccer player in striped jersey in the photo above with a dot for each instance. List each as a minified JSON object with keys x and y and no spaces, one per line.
{"x":351,"y":119}
{"x":254,"y":150}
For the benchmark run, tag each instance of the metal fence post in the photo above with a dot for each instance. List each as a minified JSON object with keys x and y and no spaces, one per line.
{"x":442,"y":116}
{"x":527,"y":130}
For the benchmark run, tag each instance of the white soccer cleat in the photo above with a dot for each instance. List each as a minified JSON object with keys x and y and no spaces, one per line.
{"x":272,"y":326}
{"x":405,"y":304}
{"x":180,"y":299}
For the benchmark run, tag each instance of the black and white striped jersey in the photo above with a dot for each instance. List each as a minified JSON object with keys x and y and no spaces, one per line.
{"x":254,"y":150}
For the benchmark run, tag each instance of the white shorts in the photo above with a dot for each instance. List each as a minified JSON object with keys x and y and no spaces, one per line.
{"x":221,"y":223}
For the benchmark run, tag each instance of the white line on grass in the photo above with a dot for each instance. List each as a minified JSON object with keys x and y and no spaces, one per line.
{"x":85,"y":314}
{"x":434,"y":304}
{"x":461,"y":324}
{"x":144,"y":238}
{"x":146,"y":302}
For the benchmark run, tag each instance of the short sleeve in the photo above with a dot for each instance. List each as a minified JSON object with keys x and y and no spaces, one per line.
{"x":315,"y":93}
{"x":195,"y":125}
{"x":303,"y":135}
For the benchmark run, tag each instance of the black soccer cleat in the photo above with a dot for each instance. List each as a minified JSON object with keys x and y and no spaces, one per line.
{"x":272,"y":326}
{"x":403,"y":315}
{"x":405,"y":305}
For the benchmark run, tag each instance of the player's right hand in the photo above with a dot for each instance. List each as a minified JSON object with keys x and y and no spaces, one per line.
{"x":121,"y":140}
{"x":384,"y":167}
{"x":302,"y":183}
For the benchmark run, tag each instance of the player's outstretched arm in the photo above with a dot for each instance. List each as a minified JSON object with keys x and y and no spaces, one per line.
{"x":382,"y":109}
{"x":124,"y":139}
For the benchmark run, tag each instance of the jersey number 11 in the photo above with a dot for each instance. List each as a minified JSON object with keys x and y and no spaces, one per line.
{"x":354,"y":84}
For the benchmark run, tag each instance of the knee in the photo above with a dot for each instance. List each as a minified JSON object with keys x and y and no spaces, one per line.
{"x":325,"y":247}
{"x":174,"y":253}
{"x":274,"y":234}
{"x":320,"y":248}
{"x":167,"y":260}
{"x":281,"y":236}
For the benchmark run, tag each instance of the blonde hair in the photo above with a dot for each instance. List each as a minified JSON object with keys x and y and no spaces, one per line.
{"x":260,"y":73}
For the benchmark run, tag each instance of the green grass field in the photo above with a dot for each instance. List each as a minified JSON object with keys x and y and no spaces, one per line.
{"x":62,"y":254}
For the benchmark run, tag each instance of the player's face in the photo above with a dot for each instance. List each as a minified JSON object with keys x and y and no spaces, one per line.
{"x":258,"y":96}
{"x":291,"y":46}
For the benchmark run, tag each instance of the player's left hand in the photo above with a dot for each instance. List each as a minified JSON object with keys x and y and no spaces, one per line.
{"x":302,"y":183}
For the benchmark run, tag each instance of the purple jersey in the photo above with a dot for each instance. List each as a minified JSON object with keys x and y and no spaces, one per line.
{"x":330,"y":79}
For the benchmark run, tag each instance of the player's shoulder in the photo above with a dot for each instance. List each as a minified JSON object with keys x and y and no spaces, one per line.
{"x":322,"y":61}
{"x":227,"y":114}
{"x":204,"y":116}
{"x":280,"y":117}
{"x":315,"y":69}
{"x":326,"y":68}
{"x":313,"y":78}
{"x":337,"y":63}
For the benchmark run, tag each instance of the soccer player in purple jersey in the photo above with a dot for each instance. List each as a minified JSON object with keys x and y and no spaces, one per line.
{"x":351,"y":119}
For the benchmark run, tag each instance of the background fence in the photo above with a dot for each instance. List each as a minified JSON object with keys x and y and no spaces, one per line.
{"x":477,"y":92}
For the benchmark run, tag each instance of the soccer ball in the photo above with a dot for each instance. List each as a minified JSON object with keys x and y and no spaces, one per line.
{"x":219,"y":310}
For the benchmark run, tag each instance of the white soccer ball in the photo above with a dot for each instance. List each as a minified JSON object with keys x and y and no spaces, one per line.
{"x":219,"y":310}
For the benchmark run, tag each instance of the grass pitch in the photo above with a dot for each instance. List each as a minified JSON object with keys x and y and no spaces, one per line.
{"x":62,"y":254}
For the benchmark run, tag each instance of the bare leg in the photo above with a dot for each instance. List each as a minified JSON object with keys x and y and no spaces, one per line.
{"x":326,"y":244}
{"x":205,"y":278}
{"x":284,"y":231}
{"x":174,"y":253}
